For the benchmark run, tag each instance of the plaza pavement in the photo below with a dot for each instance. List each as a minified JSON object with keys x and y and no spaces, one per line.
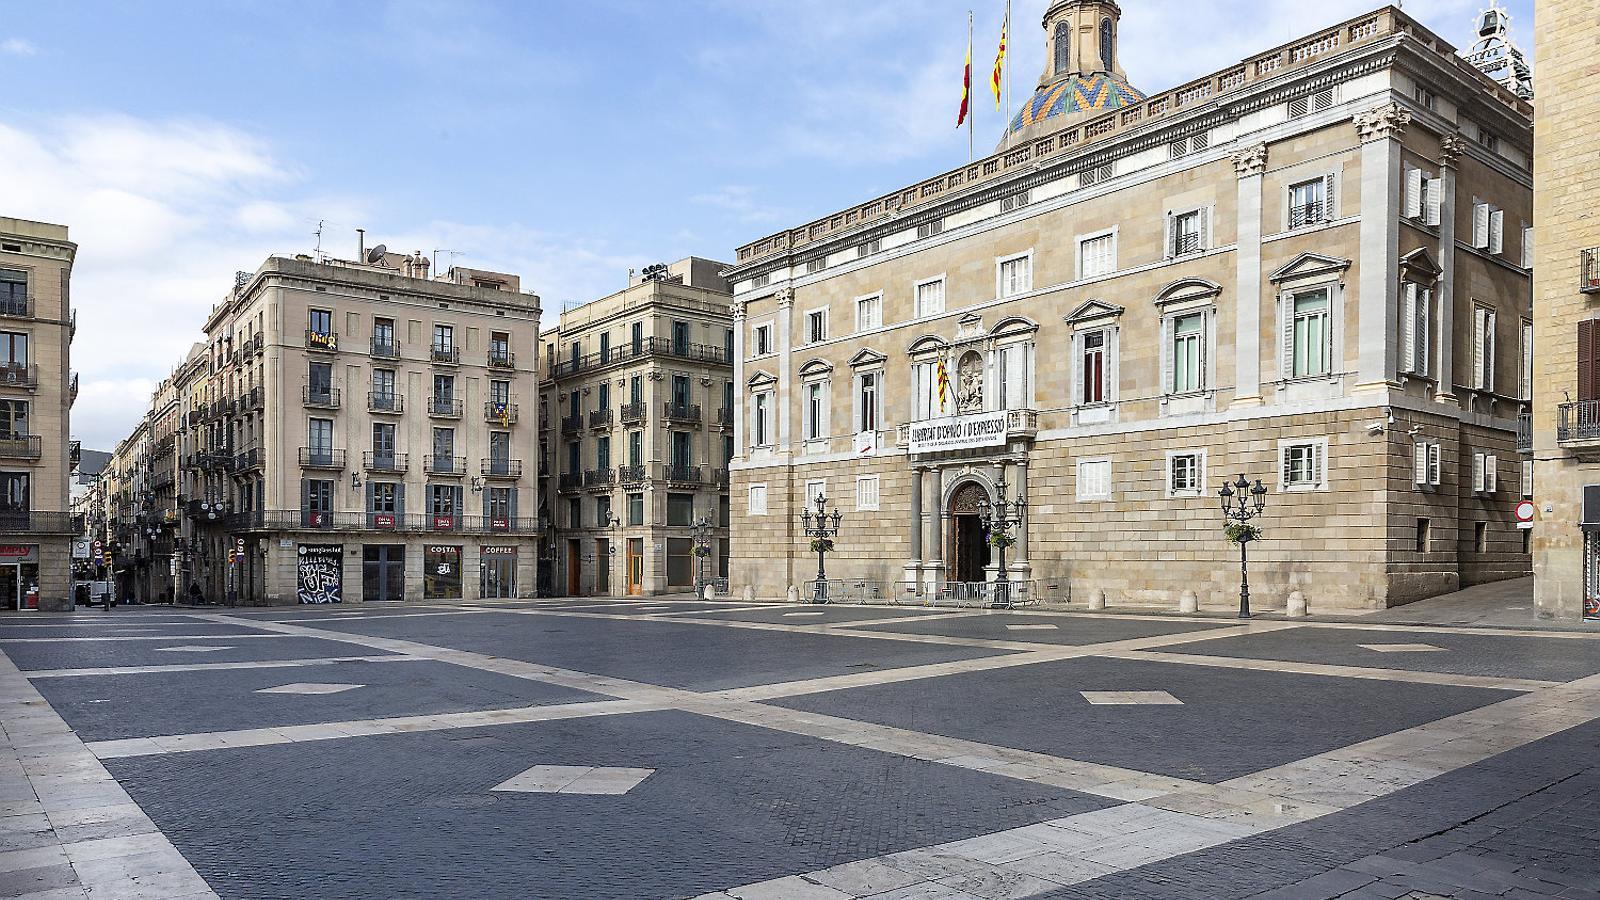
{"x":649,"y":748}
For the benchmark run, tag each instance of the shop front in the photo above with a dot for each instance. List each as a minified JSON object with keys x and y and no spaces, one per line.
{"x":497,"y":572}
{"x":441,"y":572}
{"x":19,"y":576}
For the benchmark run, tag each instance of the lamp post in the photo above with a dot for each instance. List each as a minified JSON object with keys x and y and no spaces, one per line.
{"x":998,"y":519}
{"x":821,"y":534}
{"x":702,"y":551}
{"x":611,"y":551}
{"x":1242,"y":502}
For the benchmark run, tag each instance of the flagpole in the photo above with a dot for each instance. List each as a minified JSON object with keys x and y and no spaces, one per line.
{"x":972,"y":108}
{"x":1008,"y":75}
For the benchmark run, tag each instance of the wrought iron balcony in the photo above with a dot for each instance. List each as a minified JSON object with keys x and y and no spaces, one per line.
{"x":632,"y":474}
{"x":19,"y":375}
{"x":719,"y":477}
{"x":724,"y":417}
{"x":247,"y":460}
{"x":385,"y":403}
{"x":1578,"y":422}
{"x":600,"y":418}
{"x":501,"y":468}
{"x":445,"y":465}
{"x":571,"y":424}
{"x":381,"y":349}
{"x":681,"y":474}
{"x":682,"y":412}
{"x":1525,"y":433}
{"x":502,"y":359}
{"x":632,"y":413}
{"x":16,"y":307}
{"x":327,"y":341}
{"x":321,"y":458}
{"x":499,"y":413}
{"x":1589,"y":271}
{"x":632,"y":350}
{"x":373,"y":461}
{"x":326,"y":398}
{"x":444,"y":356}
{"x":21,"y":446}
{"x":571,"y":481}
{"x":372,"y":520}
{"x":599,"y":477}
{"x":35,"y":522}
{"x":444,"y":407}
{"x":256,"y":397}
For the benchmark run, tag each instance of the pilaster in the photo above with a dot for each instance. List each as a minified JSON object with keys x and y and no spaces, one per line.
{"x":1450,"y":148}
{"x":737,"y":308}
{"x":785,"y":366}
{"x":1378,"y":340}
{"x":1250,"y":164}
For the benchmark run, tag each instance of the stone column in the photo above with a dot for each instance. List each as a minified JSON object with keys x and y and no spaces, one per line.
{"x":739,"y":397}
{"x":916,"y":517}
{"x":1379,"y":341}
{"x":934,"y":556}
{"x":1020,"y":566}
{"x":1450,"y":147}
{"x":1251,"y":165}
{"x":785,"y":369}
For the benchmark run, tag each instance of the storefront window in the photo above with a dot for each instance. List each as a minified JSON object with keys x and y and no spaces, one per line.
{"x":441,"y":572}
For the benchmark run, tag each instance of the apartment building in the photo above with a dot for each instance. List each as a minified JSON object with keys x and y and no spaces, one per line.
{"x":1566,"y":237}
{"x":636,"y":414}
{"x":37,"y":389}
{"x":1310,"y":268}
{"x":352,"y":430}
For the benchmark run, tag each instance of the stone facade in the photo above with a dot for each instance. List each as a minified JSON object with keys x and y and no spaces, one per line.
{"x":37,"y":389}
{"x":636,"y":417}
{"x":1307,"y":268}
{"x":1566,"y":429}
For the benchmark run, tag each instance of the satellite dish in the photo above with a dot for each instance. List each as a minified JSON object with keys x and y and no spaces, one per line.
{"x":375,"y":255}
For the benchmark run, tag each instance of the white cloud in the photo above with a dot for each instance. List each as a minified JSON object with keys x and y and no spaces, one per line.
{"x":17,"y":47}
{"x":741,"y":201}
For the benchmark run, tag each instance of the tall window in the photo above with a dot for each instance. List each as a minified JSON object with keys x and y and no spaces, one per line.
{"x":319,"y":437}
{"x":869,"y":312}
{"x":680,"y":391}
{"x":497,"y":502}
{"x":383,"y":444}
{"x":1525,"y":382}
{"x":14,"y":492}
{"x":442,"y":499}
{"x":605,"y":346}
{"x":1415,"y":302}
{"x":444,"y":445}
{"x":13,"y":349}
{"x":499,"y":348}
{"x":1016,"y":276}
{"x":680,"y":338}
{"x":636,"y":509}
{"x":444,"y":339}
{"x":321,"y":322}
{"x":383,"y":336}
{"x":319,"y":496}
{"x":319,"y":381}
{"x":499,"y":449}
{"x":816,"y":326}
{"x":636,"y":336}
{"x":602,"y":452}
{"x":1097,"y":256}
{"x":867,"y":402}
{"x":763,"y":422}
{"x":1012,"y":370}
{"x":383,"y":387}
{"x":1309,"y":334}
{"x":1106,"y":47}
{"x":636,"y":448}
{"x":636,"y":389}
{"x":1063,"y":47}
{"x":1188,"y":233}
{"x":1188,"y":353}
{"x":1308,"y":203}
{"x":815,"y":409}
{"x":1483,"y":322}
{"x":763,"y":340}
{"x":1092,"y":367}
{"x":13,"y":291}
{"x":930,"y":297}
{"x":500,"y":392}
{"x":682,"y":449}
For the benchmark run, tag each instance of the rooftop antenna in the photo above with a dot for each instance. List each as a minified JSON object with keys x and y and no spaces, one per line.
{"x":376,"y":254}
{"x":436,"y":252}
{"x":318,"y":250}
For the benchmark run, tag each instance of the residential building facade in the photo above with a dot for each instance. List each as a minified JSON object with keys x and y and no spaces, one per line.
{"x":1309,"y":268}
{"x":1566,"y":238}
{"x":37,"y":389}
{"x":636,"y":413}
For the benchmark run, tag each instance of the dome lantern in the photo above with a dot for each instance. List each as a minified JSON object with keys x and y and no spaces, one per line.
{"x":1082,"y":74}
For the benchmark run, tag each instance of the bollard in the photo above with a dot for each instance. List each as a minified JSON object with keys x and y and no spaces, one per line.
{"x":1297,"y":605}
{"x":1097,"y":600}
{"x":1188,"y":604}
{"x":709,"y":593}
{"x":749,"y":593}
{"x":793,"y":595}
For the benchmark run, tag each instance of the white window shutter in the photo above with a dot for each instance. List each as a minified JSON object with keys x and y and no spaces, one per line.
{"x":1016,"y":374}
{"x":1330,"y":197}
{"x":1433,"y":464}
{"x":825,"y":424}
{"x":1286,"y":316}
{"x":1205,"y":228}
{"x":1167,"y":361}
{"x":1477,"y":473}
{"x":1205,"y":346}
{"x":1478,"y":377}
{"x":1424,"y":304}
{"x":1408,"y":326}
{"x":1497,"y":228}
{"x":1488,"y":349}
{"x":1283,"y":465}
{"x":1168,"y":246}
{"x":1480,"y":225}
{"x":1491,"y":473}
{"x":1319,"y":452}
{"x":1078,"y":368}
{"x":1414,"y":193}
{"x":1113,"y":344}
{"x":1419,"y":463}
{"x":1435,"y":200}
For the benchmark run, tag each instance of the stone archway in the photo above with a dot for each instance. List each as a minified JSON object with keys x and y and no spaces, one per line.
{"x":968,"y":547}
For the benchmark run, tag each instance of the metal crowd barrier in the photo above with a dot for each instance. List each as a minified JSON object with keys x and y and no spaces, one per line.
{"x":961,"y":594}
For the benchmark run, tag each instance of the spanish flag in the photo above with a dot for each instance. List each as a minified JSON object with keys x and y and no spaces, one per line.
{"x":944,"y":384}
{"x":966,"y":85}
{"x":995,"y":80}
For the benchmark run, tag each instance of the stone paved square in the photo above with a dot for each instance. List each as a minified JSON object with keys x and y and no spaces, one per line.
{"x":1069,"y":629}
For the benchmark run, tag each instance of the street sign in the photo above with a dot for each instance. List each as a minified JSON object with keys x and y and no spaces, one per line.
{"x":1525,"y":511}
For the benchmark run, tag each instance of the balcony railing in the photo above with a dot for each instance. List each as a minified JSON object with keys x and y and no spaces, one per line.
{"x":724,"y":417}
{"x":382,"y":349}
{"x":444,"y":407}
{"x":325,"y":398}
{"x":247,"y":460}
{"x":632,"y":474}
{"x":501,"y":468}
{"x":600,"y":418}
{"x":502,"y":359}
{"x":1578,"y":421}
{"x":499,"y":413}
{"x":296,"y":519}
{"x":571,"y":424}
{"x":571,"y":481}
{"x":1305,"y":214}
{"x":322,"y":340}
{"x":632,"y":413}
{"x":1589,"y":271}
{"x":255,"y":398}
{"x":321,"y":458}
{"x":34,"y":522}
{"x":373,"y":461}
{"x":16,"y":307}
{"x":682,"y":412}
{"x":719,"y":477}
{"x":599,"y":477}
{"x":632,"y":350}
{"x":681,"y":474}
{"x":445,"y":465}
{"x":21,"y":446}
{"x":385,"y":403}
{"x":19,"y":375}
{"x":444,"y":356}
{"x":1525,"y":433}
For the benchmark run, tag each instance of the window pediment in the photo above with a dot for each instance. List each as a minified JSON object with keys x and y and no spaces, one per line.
{"x":1093,"y":309}
{"x":867,"y":358}
{"x":928,"y":343}
{"x":1012,"y":326}
{"x":1419,"y":266}
{"x":816,"y":368}
{"x":761,"y":380}
{"x":1310,"y":265}
{"x":1188,"y":290}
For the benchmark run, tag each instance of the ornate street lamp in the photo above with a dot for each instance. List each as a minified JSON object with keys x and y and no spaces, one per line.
{"x":998,"y":520}
{"x":1242,"y":502}
{"x":821,"y":534}
{"x":702,"y":552}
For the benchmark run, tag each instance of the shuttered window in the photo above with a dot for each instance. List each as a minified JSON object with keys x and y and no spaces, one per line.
{"x":1588,"y":364}
{"x":1415,"y":335}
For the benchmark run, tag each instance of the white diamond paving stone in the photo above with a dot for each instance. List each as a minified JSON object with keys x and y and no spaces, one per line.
{"x":1401,"y":648}
{"x":789,"y":615}
{"x":575,"y":780}
{"x":1131,"y":698}
{"x":307,"y":687}
{"x":1034,"y":627}
{"x":194,"y":648}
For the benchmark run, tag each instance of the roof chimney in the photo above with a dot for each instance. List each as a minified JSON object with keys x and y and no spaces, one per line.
{"x":361,"y":245}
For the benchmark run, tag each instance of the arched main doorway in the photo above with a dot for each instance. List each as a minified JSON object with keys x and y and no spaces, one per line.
{"x":969,"y":546}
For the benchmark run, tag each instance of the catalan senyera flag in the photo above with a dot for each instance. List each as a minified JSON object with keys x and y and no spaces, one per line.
{"x":995,"y":80}
{"x":966,"y":86}
{"x":944,"y":384}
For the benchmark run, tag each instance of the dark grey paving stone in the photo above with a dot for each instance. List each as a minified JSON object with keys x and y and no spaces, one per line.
{"x":87,"y":654}
{"x":1464,"y":653}
{"x":146,"y":705}
{"x":663,"y":652}
{"x":814,"y":614}
{"x":1074,"y":630}
{"x":1231,"y":723}
{"x":126,"y":629}
{"x":413,"y":815}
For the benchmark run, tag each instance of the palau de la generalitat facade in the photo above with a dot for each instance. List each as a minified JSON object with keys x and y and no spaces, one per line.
{"x":1310,"y":268}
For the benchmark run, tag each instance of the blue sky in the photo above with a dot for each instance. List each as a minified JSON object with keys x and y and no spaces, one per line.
{"x":564,"y":142}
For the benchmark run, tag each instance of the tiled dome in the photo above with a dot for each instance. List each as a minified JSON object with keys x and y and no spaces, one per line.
{"x":1053,"y":104}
